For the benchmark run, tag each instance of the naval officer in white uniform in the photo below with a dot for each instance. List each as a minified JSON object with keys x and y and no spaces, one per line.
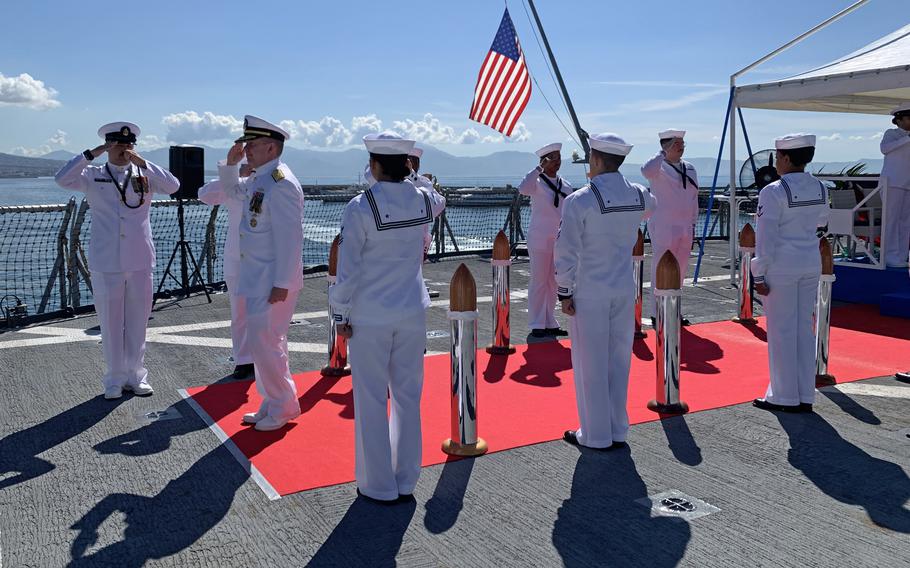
{"x":121,"y":251}
{"x":547,"y":191}
{"x":599,"y":228}
{"x":786,"y":270}
{"x":380,"y":302}
{"x":271,"y":262}
{"x":674,"y":182}
{"x":213,"y":193}
{"x":895,"y":146}
{"x":423,"y":181}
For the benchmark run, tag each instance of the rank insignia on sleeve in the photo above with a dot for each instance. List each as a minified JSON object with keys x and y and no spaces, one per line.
{"x":277,"y":175}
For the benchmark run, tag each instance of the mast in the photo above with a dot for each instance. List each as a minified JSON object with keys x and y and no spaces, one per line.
{"x":582,"y":135}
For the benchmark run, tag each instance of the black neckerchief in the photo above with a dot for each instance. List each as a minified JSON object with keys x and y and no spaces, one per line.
{"x":557,"y":190}
{"x":122,"y":189}
{"x":682,"y":174}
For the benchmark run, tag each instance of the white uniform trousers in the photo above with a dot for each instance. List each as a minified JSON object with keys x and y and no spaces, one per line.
{"x":601,"y":356}
{"x":789,"y":309}
{"x":387,"y":360}
{"x":542,"y":288}
{"x":123,"y":301}
{"x":239,"y":338}
{"x":897,"y":227}
{"x":267,"y":331}
{"x":680,"y":246}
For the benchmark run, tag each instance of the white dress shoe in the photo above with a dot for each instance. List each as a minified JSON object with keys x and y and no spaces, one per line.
{"x":267,"y":424}
{"x":113,"y":393}
{"x":253,"y":417}
{"x":142,"y":389}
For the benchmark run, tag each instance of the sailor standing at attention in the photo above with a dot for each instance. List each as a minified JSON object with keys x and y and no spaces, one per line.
{"x":271,"y":262}
{"x":380,"y":302}
{"x":547,"y":191}
{"x":425,"y":182}
{"x":599,"y":228}
{"x":121,"y":251}
{"x":895,"y":146}
{"x":786,"y":270}
{"x":213,"y":193}
{"x":675,"y":184}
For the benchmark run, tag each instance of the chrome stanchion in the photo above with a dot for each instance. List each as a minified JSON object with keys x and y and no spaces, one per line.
{"x":501,"y":330}
{"x":638,"y":275}
{"x":746,"y":253}
{"x":823,"y":316}
{"x":463,"y":317}
{"x":667,"y":332}
{"x":337,"y":346}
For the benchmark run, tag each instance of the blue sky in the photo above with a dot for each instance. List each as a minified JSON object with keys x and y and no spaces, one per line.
{"x":187,"y":71}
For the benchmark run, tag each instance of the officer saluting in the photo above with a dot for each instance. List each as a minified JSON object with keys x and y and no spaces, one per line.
{"x":121,"y":251}
{"x":380,"y":302}
{"x":271,"y":262}
{"x":547,"y":191}
{"x":787,"y":267}
{"x":600,"y":225}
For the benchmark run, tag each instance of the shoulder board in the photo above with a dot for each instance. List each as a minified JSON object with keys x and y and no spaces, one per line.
{"x":277,"y":175}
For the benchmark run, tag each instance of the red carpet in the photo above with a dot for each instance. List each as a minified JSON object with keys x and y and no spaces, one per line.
{"x":529,"y":397}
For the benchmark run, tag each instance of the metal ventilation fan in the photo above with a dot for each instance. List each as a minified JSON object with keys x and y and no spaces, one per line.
{"x":758,"y":171}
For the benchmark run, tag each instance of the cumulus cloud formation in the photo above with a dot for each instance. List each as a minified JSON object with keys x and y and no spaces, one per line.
{"x":831,"y":137}
{"x":28,"y":92}
{"x":58,"y":140}
{"x":433,"y":131}
{"x":191,"y":127}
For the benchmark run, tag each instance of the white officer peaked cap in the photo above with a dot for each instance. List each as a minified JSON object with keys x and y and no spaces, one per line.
{"x":549,"y":148}
{"x":903,"y":108}
{"x":119,"y":132}
{"x":255,"y":127}
{"x":609,"y":143}
{"x":416,"y":152}
{"x":791,"y":141}
{"x":671,"y":133}
{"x":389,"y":143}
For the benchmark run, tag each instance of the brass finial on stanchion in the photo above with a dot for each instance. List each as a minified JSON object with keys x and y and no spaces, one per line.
{"x":638,"y":274}
{"x":501,"y":261}
{"x":463,"y":317}
{"x":337,"y":365}
{"x":823,"y":315}
{"x":669,"y":320}
{"x":746,"y":289}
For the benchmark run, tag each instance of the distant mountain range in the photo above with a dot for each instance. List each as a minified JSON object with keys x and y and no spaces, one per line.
{"x":311,"y":166}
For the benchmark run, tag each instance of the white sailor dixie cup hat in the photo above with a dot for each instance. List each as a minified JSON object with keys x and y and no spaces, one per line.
{"x":671,"y":133}
{"x":609,"y":143}
{"x":255,"y":127}
{"x":122,"y":132}
{"x":793,"y":141}
{"x":416,"y":152}
{"x":549,"y":149}
{"x":388,"y":143}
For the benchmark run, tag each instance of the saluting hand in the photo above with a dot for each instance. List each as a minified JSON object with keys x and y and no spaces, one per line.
{"x":135,"y":158}
{"x":235,"y":154}
{"x":344,"y":330}
{"x":103,"y":148}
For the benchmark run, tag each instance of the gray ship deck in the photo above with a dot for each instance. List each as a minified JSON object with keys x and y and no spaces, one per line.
{"x":84,"y":481}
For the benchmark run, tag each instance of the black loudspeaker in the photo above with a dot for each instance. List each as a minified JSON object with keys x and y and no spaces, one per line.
{"x":188,"y":165}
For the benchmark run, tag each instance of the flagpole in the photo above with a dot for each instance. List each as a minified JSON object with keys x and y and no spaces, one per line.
{"x":582,"y":135}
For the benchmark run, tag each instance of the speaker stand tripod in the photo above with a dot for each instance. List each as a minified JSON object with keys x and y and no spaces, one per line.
{"x":185,"y":278}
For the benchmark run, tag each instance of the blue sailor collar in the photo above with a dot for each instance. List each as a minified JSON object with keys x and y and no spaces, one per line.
{"x":802,"y":192}
{"x":387,"y":216}
{"x":628,"y":199}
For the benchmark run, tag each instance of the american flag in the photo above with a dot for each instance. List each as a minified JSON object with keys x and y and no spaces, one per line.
{"x":503,"y":85}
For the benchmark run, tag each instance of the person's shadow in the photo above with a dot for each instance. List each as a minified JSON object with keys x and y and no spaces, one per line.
{"x":680,"y":439}
{"x":696,"y":352}
{"x":19,"y":451}
{"x":845,"y":472}
{"x":600,"y":523}
{"x":444,"y":506}
{"x":850,"y":406}
{"x":542,"y":362}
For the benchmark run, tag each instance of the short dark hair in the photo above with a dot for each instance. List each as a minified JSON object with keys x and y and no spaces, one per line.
{"x":665,"y":141}
{"x":799,"y":157}
{"x":393,"y":165}
{"x":610,"y":160}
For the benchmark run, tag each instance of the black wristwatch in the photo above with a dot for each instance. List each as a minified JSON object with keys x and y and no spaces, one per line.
{"x":88,"y":155}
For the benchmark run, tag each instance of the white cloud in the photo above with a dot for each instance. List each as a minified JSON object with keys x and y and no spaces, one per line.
{"x":520,"y":133}
{"x":191,"y":127}
{"x":28,"y":92}
{"x":652,"y":105}
{"x":433,"y":131}
{"x":831,"y":137}
{"x":59,"y":138}
{"x":150,"y":142}
{"x":32,"y":152}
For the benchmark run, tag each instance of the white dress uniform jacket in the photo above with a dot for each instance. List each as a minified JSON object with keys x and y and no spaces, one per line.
{"x":425,"y":184}
{"x":271,"y":256}
{"x":670,"y":228}
{"x":379,"y":290}
{"x":546,"y":212}
{"x":213,"y":193}
{"x":788,"y":260}
{"x":121,"y":258}
{"x":895,"y":146}
{"x":600,"y":225}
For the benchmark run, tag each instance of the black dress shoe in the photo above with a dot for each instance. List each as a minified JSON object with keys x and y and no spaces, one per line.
{"x":556,"y":332}
{"x":377,"y":501}
{"x":653,"y":322}
{"x":617,"y":446}
{"x":539,"y":333}
{"x":685,"y":322}
{"x":407,"y":498}
{"x":805,"y":407}
{"x":571,"y":437}
{"x":903,"y":376}
{"x":244,"y":372}
{"x":765,"y":405}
